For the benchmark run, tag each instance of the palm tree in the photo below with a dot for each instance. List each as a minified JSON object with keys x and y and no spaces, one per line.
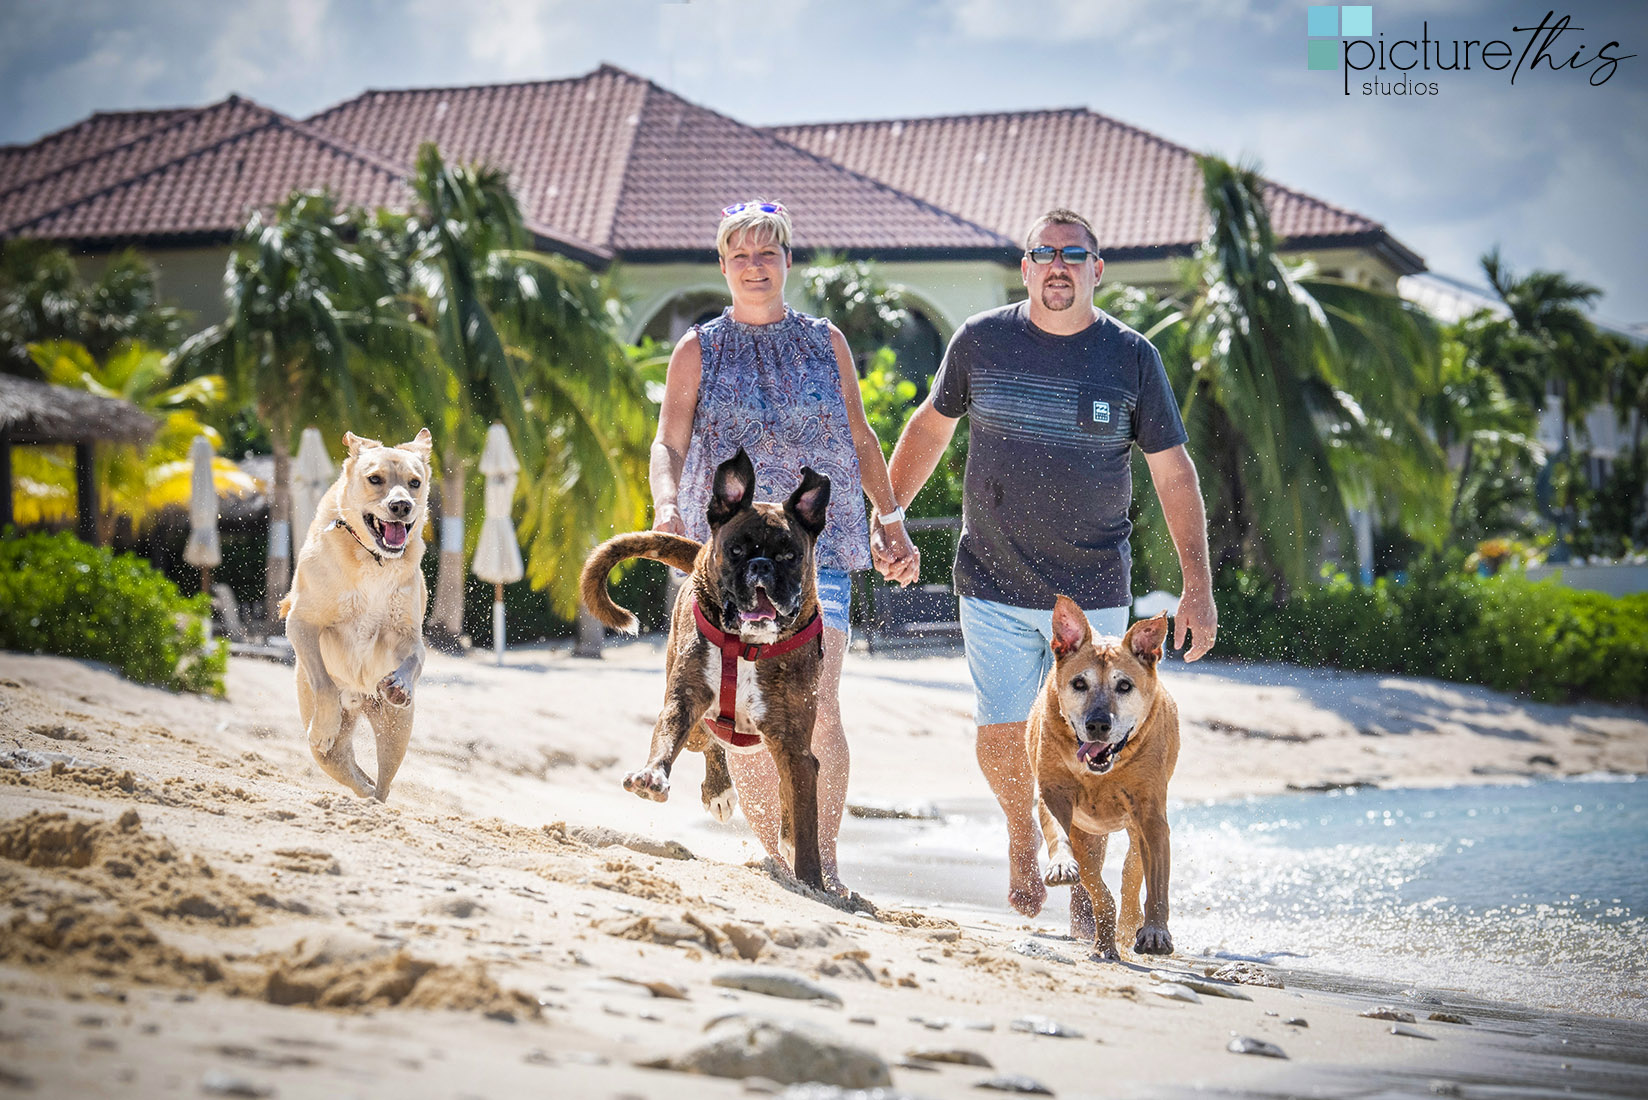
{"x":136,"y":484}
{"x":311,"y":338}
{"x":1555,"y":343}
{"x":526,"y":340}
{"x":43,"y":297}
{"x":1299,"y":392}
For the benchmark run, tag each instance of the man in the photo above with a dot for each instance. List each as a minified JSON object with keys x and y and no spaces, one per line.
{"x":1059,"y":392}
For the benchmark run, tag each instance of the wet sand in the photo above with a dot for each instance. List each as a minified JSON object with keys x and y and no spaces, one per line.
{"x":191,"y":907}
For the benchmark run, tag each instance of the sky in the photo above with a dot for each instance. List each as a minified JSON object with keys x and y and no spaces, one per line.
{"x":1551,"y":168}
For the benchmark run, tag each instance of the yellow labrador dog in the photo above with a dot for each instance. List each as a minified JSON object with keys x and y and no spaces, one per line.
{"x":355,"y":612}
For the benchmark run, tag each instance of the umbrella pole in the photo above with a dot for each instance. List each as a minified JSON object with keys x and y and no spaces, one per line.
{"x":498,"y":622}
{"x":206,"y":590}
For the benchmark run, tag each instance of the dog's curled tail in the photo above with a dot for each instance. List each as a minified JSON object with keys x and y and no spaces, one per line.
{"x":673,"y":550}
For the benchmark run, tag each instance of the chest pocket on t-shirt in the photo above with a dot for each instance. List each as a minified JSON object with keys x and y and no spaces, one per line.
{"x":1104,"y":413}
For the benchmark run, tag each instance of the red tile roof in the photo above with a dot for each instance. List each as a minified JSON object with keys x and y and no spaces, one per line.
{"x":620,"y":161}
{"x":198,"y":174}
{"x":1142,"y":193}
{"x":100,"y":131}
{"x":609,"y":163}
{"x":108,"y":162}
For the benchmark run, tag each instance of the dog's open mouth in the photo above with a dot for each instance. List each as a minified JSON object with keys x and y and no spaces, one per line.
{"x":390,"y":535}
{"x":1100,"y":756}
{"x":763,"y":611}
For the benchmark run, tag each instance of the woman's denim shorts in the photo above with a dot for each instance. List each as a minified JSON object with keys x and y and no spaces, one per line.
{"x":835,"y":598}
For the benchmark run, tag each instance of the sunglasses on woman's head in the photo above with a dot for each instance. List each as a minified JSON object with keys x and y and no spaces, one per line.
{"x":1072,"y":256}
{"x":764,"y":207}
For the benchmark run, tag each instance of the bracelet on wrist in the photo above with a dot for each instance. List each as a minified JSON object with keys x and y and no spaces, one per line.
{"x":888,"y":518}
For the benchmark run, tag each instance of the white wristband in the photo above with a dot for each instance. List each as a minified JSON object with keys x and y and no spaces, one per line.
{"x":886,"y":518}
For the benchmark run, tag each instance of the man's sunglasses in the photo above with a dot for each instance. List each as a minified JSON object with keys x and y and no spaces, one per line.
{"x":1071,"y":256}
{"x":764,"y":207}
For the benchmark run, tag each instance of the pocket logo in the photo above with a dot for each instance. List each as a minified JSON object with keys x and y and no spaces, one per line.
{"x":1101,"y":412}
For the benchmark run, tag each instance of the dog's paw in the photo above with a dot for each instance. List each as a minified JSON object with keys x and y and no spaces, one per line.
{"x":650,"y":783}
{"x":1062,"y":872}
{"x":722,"y":805}
{"x":1105,"y":953}
{"x":395,"y":690}
{"x":1153,"y":939}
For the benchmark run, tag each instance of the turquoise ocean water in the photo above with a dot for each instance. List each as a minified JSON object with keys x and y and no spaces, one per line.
{"x":1535,"y":893}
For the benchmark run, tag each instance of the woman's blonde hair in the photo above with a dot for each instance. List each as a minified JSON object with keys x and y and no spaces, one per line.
{"x":761,"y":218}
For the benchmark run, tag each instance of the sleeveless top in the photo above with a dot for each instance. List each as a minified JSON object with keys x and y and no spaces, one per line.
{"x":775,"y":390}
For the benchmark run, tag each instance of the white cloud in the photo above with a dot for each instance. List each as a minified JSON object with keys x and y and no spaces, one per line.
{"x":1134,"y":22}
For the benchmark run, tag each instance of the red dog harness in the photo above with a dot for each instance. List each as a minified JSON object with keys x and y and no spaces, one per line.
{"x":733,"y":648}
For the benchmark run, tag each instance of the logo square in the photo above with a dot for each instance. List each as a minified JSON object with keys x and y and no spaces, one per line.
{"x":1324,"y":53}
{"x":1101,"y":412}
{"x":1323,"y":21}
{"x":1358,"y":20}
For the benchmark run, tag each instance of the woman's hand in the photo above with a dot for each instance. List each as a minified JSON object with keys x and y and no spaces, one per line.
{"x":666,"y":518}
{"x":896,"y":557}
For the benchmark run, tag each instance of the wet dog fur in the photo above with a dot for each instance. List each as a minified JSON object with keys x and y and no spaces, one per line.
{"x":756,"y":577}
{"x":1103,"y":739}
{"x":355,"y":612}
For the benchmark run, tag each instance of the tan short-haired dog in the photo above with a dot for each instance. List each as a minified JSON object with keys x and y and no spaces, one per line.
{"x":1103,"y":739}
{"x":355,"y":612}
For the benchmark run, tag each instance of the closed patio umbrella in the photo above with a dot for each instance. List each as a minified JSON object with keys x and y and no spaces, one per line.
{"x":498,"y":555}
{"x":203,"y":551}
{"x":312,"y":475}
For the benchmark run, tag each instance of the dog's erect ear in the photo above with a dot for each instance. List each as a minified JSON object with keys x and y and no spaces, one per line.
{"x":1144,"y":638}
{"x":733,"y":489}
{"x":810,"y":503}
{"x":355,"y":444}
{"x":422,"y":444}
{"x":1071,"y":630}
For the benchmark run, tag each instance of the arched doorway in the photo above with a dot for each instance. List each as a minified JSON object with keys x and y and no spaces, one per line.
{"x":679,"y":314}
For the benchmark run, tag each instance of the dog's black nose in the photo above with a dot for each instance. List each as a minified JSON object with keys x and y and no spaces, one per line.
{"x":400,"y":509}
{"x":1098,"y":727}
{"x":761,"y":571}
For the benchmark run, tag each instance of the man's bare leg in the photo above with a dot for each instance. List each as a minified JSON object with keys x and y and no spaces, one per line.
{"x":1006,"y":766}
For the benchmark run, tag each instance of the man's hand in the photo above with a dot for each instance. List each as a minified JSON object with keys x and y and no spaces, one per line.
{"x":1198,"y":618}
{"x":666,"y":518}
{"x":896,"y":557}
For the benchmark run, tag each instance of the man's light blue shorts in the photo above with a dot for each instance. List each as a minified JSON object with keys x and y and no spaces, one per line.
{"x":1009,"y":653}
{"x":835,"y":599}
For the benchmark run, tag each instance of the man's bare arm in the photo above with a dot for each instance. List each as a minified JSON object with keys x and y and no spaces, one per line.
{"x":916,"y":456}
{"x":1174,"y":474}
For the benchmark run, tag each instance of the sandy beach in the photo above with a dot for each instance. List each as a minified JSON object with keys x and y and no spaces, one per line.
{"x":192,"y":908}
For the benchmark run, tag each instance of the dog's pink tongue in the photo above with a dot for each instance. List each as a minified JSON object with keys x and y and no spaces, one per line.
{"x":763,"y":609}
{"x":394,"y":534}
{"x":1087,"y":750}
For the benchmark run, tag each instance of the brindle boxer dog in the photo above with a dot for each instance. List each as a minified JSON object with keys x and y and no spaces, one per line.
{"x":1103,"y":739}
{"x":756,"y":585}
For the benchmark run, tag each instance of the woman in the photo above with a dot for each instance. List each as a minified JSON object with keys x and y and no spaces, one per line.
{"x":781,"y":385}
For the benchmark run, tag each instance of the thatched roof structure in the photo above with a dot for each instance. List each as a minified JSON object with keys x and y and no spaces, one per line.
{"x":34,"y":412}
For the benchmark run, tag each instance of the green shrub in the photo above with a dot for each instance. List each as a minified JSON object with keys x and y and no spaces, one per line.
{"x":1505,"y":632}
{"x":59,"y":595}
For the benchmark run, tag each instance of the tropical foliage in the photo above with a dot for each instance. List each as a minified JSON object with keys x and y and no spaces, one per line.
{"x":1300,"y":394}
{"x":135,"y":483}
{"x":59,"y":595}
{"x":311,"y":338}
{"x":43,"y":297}
{"x":525,"y":339}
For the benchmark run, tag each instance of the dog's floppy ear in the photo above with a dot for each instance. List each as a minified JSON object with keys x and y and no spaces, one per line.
{"x":1144,"y":638}
{"x":733,"y":489}
{"x":355,"y":444}
{"x":810,"y":503}
{"x":1071,"y":630}
{"x":423,"y":443}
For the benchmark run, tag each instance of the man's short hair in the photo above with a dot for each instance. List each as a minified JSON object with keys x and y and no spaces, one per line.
{"x":756,"y":224}
{"x":1062,"y":216}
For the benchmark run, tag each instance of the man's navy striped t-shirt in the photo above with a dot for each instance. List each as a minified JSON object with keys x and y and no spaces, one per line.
{"x":1053,"y":420}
